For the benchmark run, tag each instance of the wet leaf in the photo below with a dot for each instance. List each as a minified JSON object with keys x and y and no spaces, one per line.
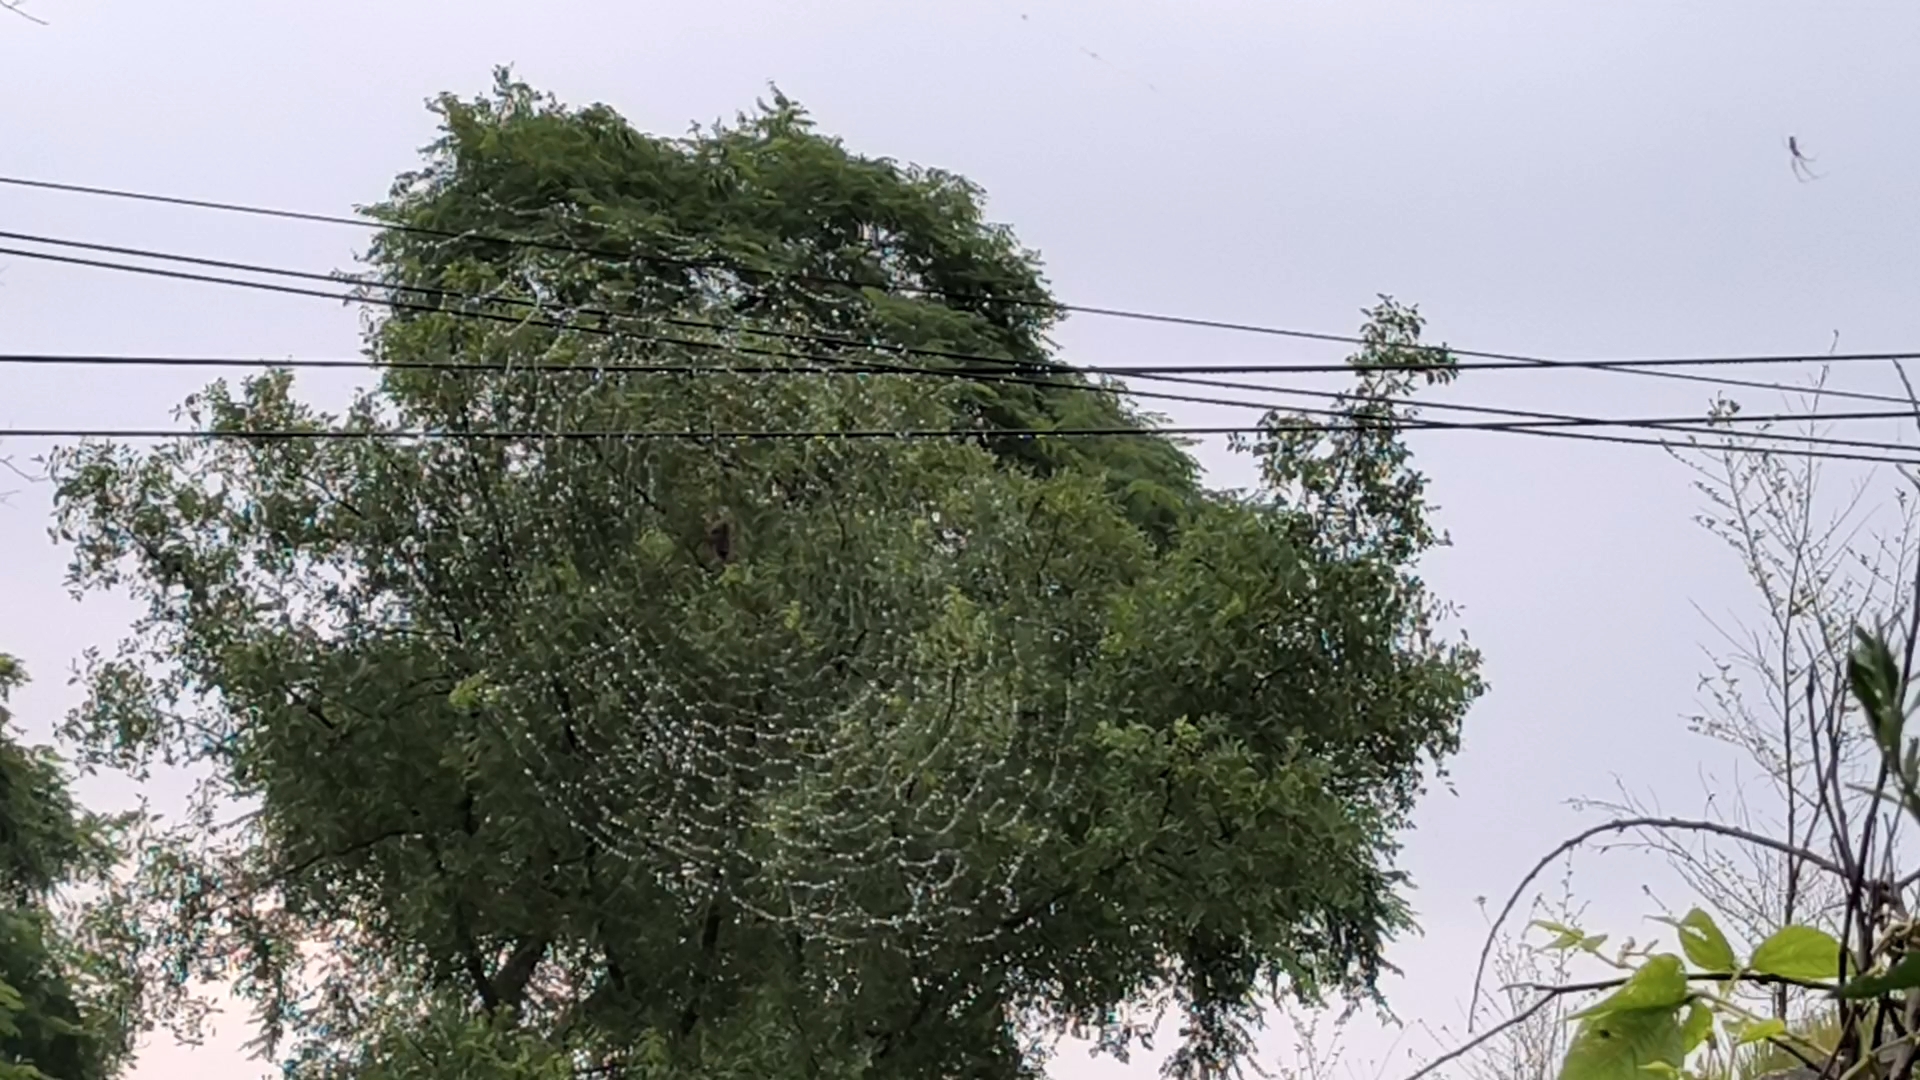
{"x":1622,"y":1044}
{"x":1798,"y":952}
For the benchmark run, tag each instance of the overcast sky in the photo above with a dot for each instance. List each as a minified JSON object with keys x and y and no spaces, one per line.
{"x":1565,"y":179}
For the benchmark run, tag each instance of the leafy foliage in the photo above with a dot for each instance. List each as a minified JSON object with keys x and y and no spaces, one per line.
{"x":765,"y":224}
{"x":58,"y":1016}
{"x":1655,"y":1019}
{"x":768,"y":757}
{"x":1866,"y":1028}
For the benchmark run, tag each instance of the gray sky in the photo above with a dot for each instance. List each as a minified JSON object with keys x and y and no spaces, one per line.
{"x":1565,"y":179}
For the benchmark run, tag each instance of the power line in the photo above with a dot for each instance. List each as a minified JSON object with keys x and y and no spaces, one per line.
{"x":1015,"y":367}
{"x":1117,"y":370}
{"x":850,"y":366}
{"x":441,"y":292}
{"x":629,"y":255}
{"x":815,"y":337}
{"x":1650,"y":368}
{"x":605,"y":331}
{"x":1682,"y":424}
{"x":601,"y":331}
{"x":761,"y":435}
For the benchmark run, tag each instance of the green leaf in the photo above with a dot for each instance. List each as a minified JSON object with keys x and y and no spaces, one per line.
{"x":1660,"y":983}
{"x":1903,"y":975}
{"x":1798,"y":952}
{"x":1771,"y":1028}
{"x":1697,"y":1028}
{"x":467,"y":695}
{"x":1706,"y":947}
{"x":1621,"y":1045}
{"x":1874,"y":677}
{"x":1564,"y":937}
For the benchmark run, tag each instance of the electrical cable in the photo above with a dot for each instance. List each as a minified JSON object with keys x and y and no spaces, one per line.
{"x":859,"y":367}
{"x":750,"y":435}
{"x":1685,"y":424}
{"x":1644,"y":367}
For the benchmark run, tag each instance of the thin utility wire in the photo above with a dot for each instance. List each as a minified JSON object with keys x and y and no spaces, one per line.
{"x":841,"y":341}
{"x":1117,"y":370}
{"x":852,"y":366}
{"x":749,"y":435}
{"x":607,"y":331}
{"x":869,"y":367}
{"x":629,"y":255}
{"x":1015,"y":367}
{"x":441,"y":292}
{"x":1681,"y":424}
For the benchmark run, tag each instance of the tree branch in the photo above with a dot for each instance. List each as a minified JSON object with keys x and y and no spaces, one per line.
{"x":1755,"y":977}
{"x":15,"y":6}
{"x":703,"y":973}
{"x":1811,"y":858}
{"x":510,"y":984}
{"x":350,"y":850}
{"x":1470,"y":1045}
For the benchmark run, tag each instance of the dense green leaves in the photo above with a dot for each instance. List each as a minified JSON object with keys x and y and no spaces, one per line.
{"x":58,"y":1010}
{"x":1638,"y":1027}
{"x":755,"y":757}
{"x":765,"y":224}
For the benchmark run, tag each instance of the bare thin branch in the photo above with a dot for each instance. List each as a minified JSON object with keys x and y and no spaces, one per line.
{"x":18,"y":8}
{"x":1470,"y":1045}
{"x":1811,"y":858}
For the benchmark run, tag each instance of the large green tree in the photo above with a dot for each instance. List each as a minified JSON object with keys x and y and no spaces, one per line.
{"x":610,"y":750}
{"x":59,"y":1018}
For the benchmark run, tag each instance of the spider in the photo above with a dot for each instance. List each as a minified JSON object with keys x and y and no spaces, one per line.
{"x":1801,"y":163}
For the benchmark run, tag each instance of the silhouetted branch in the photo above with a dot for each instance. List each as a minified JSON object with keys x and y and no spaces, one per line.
{"x":18,"y":8}
{"x":1470,"y":1045}
{"x":1811,"y":858}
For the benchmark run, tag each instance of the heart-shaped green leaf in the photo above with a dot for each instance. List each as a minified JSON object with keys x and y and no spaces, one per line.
{"x":1798,"y":952}
{"x":1661,"y":983}
{"x":1622,"y":1045}
{"x":1706,"y":947}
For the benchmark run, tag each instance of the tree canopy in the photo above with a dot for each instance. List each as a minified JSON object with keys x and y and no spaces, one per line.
{"x":58,"y":1019}
{"x":608,"y":720}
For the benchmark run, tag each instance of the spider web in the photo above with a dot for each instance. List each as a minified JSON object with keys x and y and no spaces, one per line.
{"x":844,"y":802}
